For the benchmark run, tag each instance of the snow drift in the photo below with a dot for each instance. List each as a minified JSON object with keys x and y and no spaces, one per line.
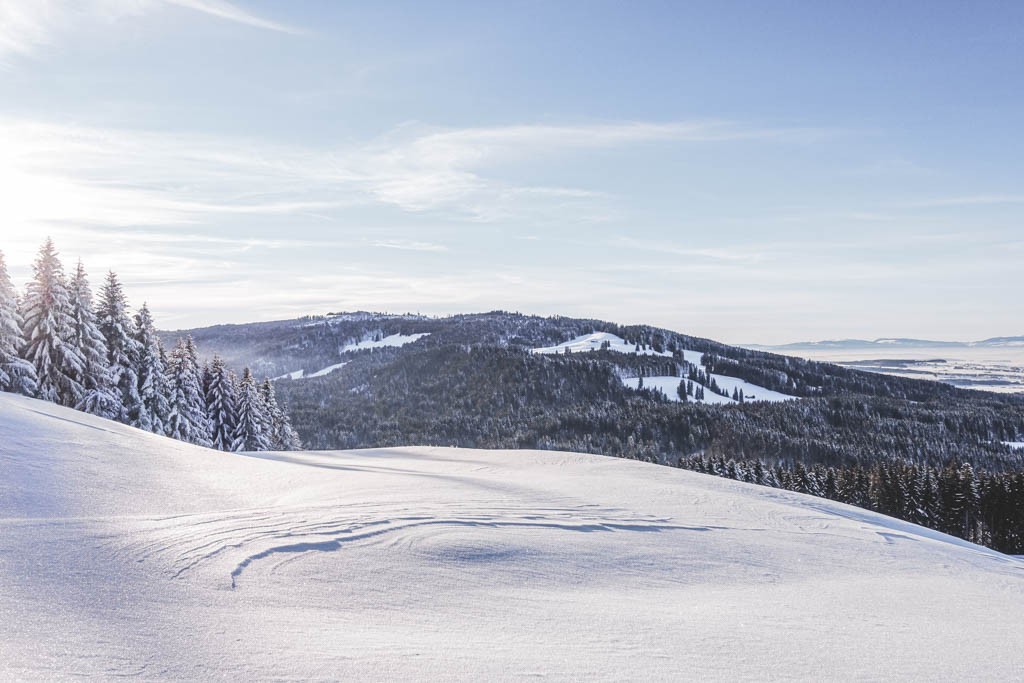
{"x":128,"y":554}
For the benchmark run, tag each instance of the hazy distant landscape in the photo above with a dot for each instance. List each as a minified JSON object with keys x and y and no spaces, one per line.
{"x":989,"y":366}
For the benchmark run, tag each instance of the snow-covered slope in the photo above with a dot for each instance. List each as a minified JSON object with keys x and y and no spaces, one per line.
{"x":126,"y":554}
{"x":670,"y":387}
{"x":392,"y":340}
{"x":598,"y":341}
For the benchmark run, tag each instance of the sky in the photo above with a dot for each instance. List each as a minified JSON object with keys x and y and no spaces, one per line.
{"x":746,"y":171}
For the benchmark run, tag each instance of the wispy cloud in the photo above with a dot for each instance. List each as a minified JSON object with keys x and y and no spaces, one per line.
{"x":26,"y":26}
{"x":57,"y":174}
{"x":726,"y":254}
{"x":231,"y":12}
{"x":409,"y":245}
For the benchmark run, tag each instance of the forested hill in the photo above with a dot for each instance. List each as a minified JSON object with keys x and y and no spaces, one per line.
{"x":504,"y":380}
{"x":313,"y":343}
{"x":365,"y":379}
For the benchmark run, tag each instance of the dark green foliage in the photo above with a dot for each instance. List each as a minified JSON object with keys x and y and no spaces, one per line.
{"x":985,"y":508}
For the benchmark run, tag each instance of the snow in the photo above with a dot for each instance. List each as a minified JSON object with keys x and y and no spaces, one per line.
{"x":1014,"y":444}
{"x":667,"y":384}
{"x":393,"y":340}
{"x":670,"y":385}
{"x":389,"y":341}
{"x":127,"y":554}
{"x":297,"y":374}
{"x":594,"y":342}
{"x":751,"y":392}
{"x":695,"y":358}
{"x":328,"y":370}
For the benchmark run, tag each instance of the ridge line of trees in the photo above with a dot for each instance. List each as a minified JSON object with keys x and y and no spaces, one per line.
{"x":982,"y":507}
{"x":57,"y":345}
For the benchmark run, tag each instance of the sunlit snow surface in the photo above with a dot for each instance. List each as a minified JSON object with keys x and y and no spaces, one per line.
{"x":126,"y":554}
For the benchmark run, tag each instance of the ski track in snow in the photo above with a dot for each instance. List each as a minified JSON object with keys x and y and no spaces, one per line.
{"x":125,"y":554}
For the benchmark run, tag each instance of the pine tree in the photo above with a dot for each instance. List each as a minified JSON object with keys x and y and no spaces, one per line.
{"x":252,"y":431}
{"x":47,"y":330}
{"x":220,"y":406}
{"x":99,"y":396}
{"x":16,"y":374}
{"x":282,"y":436}
{"x":186,"y":419}
{"x":151,"y":374}
{"x":112,"y":314}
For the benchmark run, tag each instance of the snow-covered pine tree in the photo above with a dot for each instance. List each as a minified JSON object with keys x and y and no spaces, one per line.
{"x":202,"y":416}
{"x":252,"y":431}
{"x":99,"y":396}
{"x":151,"y":375}
{"x":47,"y":329}
{"x":16,"y":374}
{"x":220,"y":406}
{"x":187,"y":419}
{"x":112,"y":314}
{"x":282,"y":436}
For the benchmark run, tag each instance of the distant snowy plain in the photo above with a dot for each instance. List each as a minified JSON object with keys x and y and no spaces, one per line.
{"x":999,"y":369}
{"x":124,"y":554}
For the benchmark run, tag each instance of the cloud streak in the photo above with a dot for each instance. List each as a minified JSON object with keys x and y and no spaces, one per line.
{"x":27,"y":26}
{"x":60,"y":174}
{"x":231,"y":12}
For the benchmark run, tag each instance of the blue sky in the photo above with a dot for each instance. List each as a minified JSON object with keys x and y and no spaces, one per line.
{"x":752,"y":172}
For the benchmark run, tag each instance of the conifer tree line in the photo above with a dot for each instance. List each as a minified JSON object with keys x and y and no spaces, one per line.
{"x":59,"y":345}
{"x":982,"y":507}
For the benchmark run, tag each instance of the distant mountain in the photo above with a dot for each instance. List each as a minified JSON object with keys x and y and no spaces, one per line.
{"x":884,"y":343}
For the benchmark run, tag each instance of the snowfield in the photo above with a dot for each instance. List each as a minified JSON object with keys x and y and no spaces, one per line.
{"x":595,"y":341}
{"x":127,"y":554}
{"x":392,"y":340}
{"x":328,"y":370}
{"x":670,"y":387}
{"x":666,"y":384}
